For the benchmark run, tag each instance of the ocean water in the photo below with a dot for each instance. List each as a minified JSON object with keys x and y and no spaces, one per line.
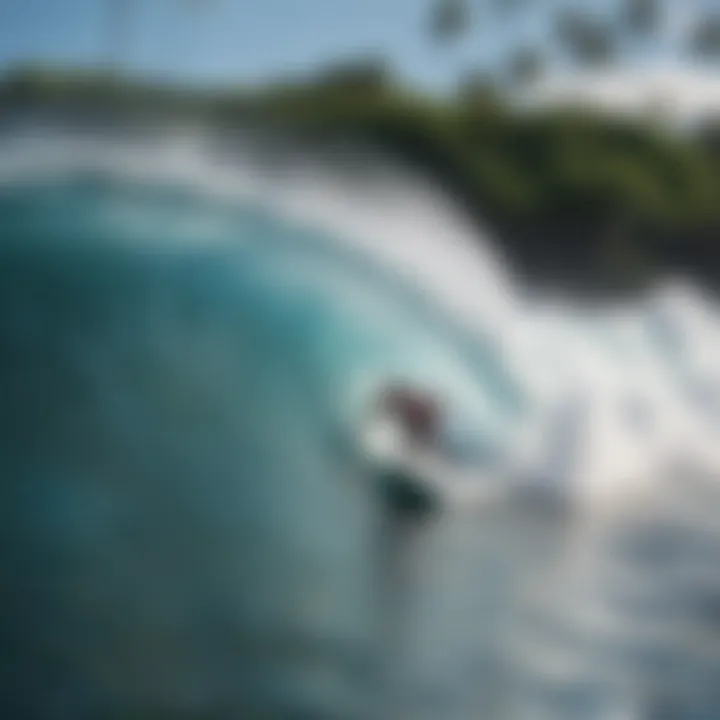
{"x":191,"y":327}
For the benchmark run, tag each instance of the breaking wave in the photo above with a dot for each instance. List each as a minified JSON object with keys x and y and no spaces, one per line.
{"x":247,"y":294}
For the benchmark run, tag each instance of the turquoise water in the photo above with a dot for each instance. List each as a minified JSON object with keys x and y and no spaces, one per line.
{"x":189,"y":529}
{"x":189,"y":520}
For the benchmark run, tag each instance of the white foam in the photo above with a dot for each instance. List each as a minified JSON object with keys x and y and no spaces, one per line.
{"x":645,"y":375}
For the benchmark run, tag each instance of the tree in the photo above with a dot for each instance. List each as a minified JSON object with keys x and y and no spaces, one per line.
{"x":586,"y":33}
{"x":588,"y":40}
{"x":705,"y":39}
{"x":450,"y":18}
{"x":478,"y":89}
{"x":364,"y":77}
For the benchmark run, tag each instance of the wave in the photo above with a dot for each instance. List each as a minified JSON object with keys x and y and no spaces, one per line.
{"x":639,"y":378}
{"x":248,"y":293}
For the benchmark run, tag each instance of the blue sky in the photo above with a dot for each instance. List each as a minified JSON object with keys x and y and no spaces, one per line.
{"x":246,"y":41}
{"x":237,"y":40}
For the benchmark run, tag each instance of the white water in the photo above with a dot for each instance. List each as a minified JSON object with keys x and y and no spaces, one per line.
{"x":639,"y":383}
{"x":618,"y":408}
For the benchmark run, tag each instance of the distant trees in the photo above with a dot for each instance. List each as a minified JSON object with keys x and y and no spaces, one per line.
{"x":582,"y":33}
{"x":564,"y":185}
{"x":364,"y":76}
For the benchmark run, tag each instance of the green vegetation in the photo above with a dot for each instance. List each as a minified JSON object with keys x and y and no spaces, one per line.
{"x":572,"y":196}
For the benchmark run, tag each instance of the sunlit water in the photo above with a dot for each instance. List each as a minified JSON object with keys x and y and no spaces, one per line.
{"x":189,"y":334}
